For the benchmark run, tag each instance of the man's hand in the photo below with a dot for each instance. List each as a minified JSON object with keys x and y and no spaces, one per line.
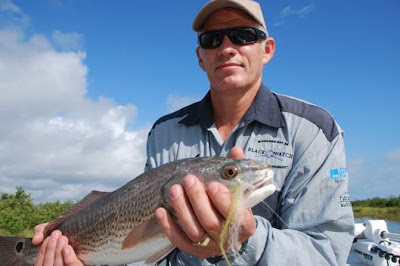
{"x":54,"y":250}
{"x":202,"y":212}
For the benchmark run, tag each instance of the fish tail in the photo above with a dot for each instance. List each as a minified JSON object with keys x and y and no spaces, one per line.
{"x":13,"y":249}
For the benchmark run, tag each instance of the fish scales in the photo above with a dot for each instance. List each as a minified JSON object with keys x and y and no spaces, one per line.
{"x":119,"y":227}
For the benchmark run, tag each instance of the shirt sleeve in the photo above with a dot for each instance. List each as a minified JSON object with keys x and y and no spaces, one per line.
{"x":316,"y":218}
{"x":151,"y":153}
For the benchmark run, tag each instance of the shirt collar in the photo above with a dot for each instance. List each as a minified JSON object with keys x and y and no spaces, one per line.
{"x":264,"y":109}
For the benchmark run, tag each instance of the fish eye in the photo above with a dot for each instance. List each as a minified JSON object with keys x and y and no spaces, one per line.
{"x":229,"y":172}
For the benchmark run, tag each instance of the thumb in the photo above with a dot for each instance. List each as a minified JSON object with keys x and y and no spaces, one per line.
{"x":38,"y":236}
{"x":236,"y":153}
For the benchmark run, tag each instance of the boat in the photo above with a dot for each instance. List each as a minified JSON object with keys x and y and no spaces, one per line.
{"x":374,"y":245}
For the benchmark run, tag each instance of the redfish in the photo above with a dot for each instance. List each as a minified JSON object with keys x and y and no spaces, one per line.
{"x":119,"y":227}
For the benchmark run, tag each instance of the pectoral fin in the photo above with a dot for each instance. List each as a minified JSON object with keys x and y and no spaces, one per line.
{"x":161,"y":254}
{"x":142,"y":233}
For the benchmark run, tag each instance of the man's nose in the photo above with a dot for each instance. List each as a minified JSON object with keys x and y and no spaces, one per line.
{"x":227,"y":46}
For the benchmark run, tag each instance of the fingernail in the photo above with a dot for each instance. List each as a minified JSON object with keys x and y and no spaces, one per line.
{"x":60,"y":243}
{"x":175,"y":191}
{"x":54,"y":236}
{"x":188,"y":181}
{"x":213,"y":188}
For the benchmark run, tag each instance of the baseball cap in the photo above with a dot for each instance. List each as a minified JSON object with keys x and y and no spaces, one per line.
{"x":251,"y":7}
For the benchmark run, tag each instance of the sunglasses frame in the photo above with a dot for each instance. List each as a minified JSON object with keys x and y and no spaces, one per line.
{"x":259,"y":35}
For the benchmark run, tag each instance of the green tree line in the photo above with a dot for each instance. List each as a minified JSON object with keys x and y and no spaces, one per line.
{"x":379,"y":208}
{"x":18,"y":214}
{"x":378,"y":202}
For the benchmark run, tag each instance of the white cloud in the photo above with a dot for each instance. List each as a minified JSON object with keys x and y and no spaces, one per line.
{"x":37,"y":80}
{"x":8,"y":6}
{"x":67,"y":41}
{"x":289,"y":11}
{"x":301,"y":13}
{"x":11,"y":15}
{"x":393,"y":156}
{"x":54,"y":141}
{"x":175,"y":102}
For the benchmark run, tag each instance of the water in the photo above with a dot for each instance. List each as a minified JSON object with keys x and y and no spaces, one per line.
{"x":393,"y":226}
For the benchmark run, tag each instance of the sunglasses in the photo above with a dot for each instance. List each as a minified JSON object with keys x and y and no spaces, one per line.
{"x":239,"y":36}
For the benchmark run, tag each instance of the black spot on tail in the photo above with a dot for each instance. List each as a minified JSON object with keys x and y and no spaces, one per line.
{"x":19,"y":246}
{"x":12,"y":251}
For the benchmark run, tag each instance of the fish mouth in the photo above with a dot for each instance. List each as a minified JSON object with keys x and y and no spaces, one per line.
{"x":260,"y":190}
{"x":267,"y":179}
{"x":268,"y":176}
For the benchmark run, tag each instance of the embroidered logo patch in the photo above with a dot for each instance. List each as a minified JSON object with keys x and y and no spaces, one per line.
{"x":338,"y":173}
{"x":345,"y":200}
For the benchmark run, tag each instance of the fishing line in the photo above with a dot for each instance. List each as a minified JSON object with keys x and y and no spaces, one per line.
{"x":252,"y":188}
{"x":274,"y":212}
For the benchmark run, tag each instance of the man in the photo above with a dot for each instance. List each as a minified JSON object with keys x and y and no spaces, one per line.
{"x":304,"y":222}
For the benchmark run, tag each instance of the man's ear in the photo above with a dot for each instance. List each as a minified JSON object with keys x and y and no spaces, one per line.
{"x":201,"y":63}
{"x":269,"y":50}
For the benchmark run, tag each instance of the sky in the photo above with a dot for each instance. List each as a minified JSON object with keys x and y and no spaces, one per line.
{"x":82,"y":82}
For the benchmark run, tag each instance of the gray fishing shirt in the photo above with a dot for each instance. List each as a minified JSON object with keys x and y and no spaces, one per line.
{"x":309,"y":219}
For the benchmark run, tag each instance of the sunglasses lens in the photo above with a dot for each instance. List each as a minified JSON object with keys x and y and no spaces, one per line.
{"x":210,"y":39}
{"x":243,"y":36}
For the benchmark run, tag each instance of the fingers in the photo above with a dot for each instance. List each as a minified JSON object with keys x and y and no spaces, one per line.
{"x":47,"y":252}
{"x":61,"y":243}
{"x":180,"y":239}
{"x":208,"y":217}
{"x":70,"y":258}
{"x":170,"y":228}
{"x":38,"y":234}
{"x":56,"y":251}
{"x":183,"y":209}
{"x":192,"y":208}
{"x":221,"y":198}
{"x":42,"y":252}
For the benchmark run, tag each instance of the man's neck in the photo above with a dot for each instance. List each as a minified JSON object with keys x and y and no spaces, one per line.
{"x":230,"y":107}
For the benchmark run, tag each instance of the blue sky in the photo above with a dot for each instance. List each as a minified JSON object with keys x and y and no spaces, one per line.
{"x":90,"y":77}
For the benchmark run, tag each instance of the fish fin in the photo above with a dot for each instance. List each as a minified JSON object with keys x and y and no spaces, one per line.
{"x":12,"y":249}
{"x":86,"y":201}
{"x":142,"y":233}
{"x":158,"y":256}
